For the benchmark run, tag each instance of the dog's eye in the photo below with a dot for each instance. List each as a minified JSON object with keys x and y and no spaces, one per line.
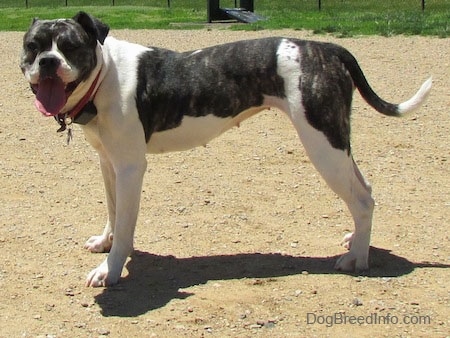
{"x":68,"y":46}
{"x":32,"y":47}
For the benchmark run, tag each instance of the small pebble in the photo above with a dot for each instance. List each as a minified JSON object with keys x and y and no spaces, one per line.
{"x":269,"y":325}
{"x":198,"y":320}
{"x":357,"y":302}
{"x":69,"y":292}
{"x":103,"y":332}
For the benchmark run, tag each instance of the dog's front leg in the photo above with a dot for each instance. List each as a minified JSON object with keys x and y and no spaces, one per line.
{"x":126,"y":155}
{"x":103,"y":242}
{"x":128,"y":186}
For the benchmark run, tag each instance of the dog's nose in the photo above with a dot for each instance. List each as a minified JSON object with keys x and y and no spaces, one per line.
{"x":49,"y":62}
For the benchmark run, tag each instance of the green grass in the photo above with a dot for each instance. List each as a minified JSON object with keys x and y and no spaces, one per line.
{"x":338,"y":17}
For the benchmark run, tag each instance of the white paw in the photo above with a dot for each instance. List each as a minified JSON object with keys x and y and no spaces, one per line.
{"x":347,"y":241}
{"x":100,"y":243}
{"x":98,"y":277}
{"x":351,"y":261}
{"x":101,"y":276}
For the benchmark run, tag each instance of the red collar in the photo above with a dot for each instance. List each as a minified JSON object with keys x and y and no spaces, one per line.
{"x":79,"y":108}
{"x":82,"y":103}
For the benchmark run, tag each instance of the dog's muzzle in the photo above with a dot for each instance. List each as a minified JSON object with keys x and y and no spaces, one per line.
{"x":51,"y":91}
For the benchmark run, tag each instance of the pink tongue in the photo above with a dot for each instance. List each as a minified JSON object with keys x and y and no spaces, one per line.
{"x":50,"y":96}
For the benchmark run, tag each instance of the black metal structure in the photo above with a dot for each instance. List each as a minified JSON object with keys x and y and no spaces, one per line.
{"x":244,"y":13}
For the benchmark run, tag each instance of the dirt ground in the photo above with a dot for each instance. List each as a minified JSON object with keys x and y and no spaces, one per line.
{"x":239,"y":238}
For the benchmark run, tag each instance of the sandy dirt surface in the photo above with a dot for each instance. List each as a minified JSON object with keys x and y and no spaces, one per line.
{"x":239,"y":238}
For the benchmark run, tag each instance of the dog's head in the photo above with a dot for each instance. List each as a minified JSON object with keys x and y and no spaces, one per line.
{"x":58,"y":55}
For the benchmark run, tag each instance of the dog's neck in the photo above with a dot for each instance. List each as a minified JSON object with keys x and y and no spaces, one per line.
{"x":82,"y":98}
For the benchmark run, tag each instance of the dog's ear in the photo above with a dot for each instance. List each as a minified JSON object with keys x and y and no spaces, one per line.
{"x":33,"y":22}
{"x":92,"y":26}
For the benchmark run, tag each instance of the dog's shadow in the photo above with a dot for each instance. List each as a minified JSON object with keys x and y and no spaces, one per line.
{"x":155,"y":280}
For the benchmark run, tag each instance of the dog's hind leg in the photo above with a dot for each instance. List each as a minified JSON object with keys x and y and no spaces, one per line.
{"x":340,"y":172}
{"x":319,"y":92}
{"x":358,"y":241}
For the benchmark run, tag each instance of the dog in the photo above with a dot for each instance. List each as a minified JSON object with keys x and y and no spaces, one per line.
{"x":131,"y":100}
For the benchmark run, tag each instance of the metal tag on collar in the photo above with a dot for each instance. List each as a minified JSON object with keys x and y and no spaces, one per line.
{"x":65,"y":121}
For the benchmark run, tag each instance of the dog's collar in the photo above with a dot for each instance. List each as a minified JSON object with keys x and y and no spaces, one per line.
{"x":84,"y":111}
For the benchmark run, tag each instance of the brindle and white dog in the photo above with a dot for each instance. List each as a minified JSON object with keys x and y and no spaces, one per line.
{"x":132,"y":100}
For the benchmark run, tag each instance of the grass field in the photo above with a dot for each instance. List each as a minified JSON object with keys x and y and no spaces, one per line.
{"x":339,"y":17}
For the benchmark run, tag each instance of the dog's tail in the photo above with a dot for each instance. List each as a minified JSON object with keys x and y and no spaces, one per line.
{"x":373,"y":99}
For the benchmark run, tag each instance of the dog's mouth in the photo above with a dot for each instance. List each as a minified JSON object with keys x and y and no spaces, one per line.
{"x":52,"y":95}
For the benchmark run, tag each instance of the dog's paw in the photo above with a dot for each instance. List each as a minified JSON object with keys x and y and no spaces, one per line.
{"x":101,"y":276}
{"x":100,"y":243}
{"x":350,"y":262}
{"x":347,"y":241}
{"x":98,"y":276}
